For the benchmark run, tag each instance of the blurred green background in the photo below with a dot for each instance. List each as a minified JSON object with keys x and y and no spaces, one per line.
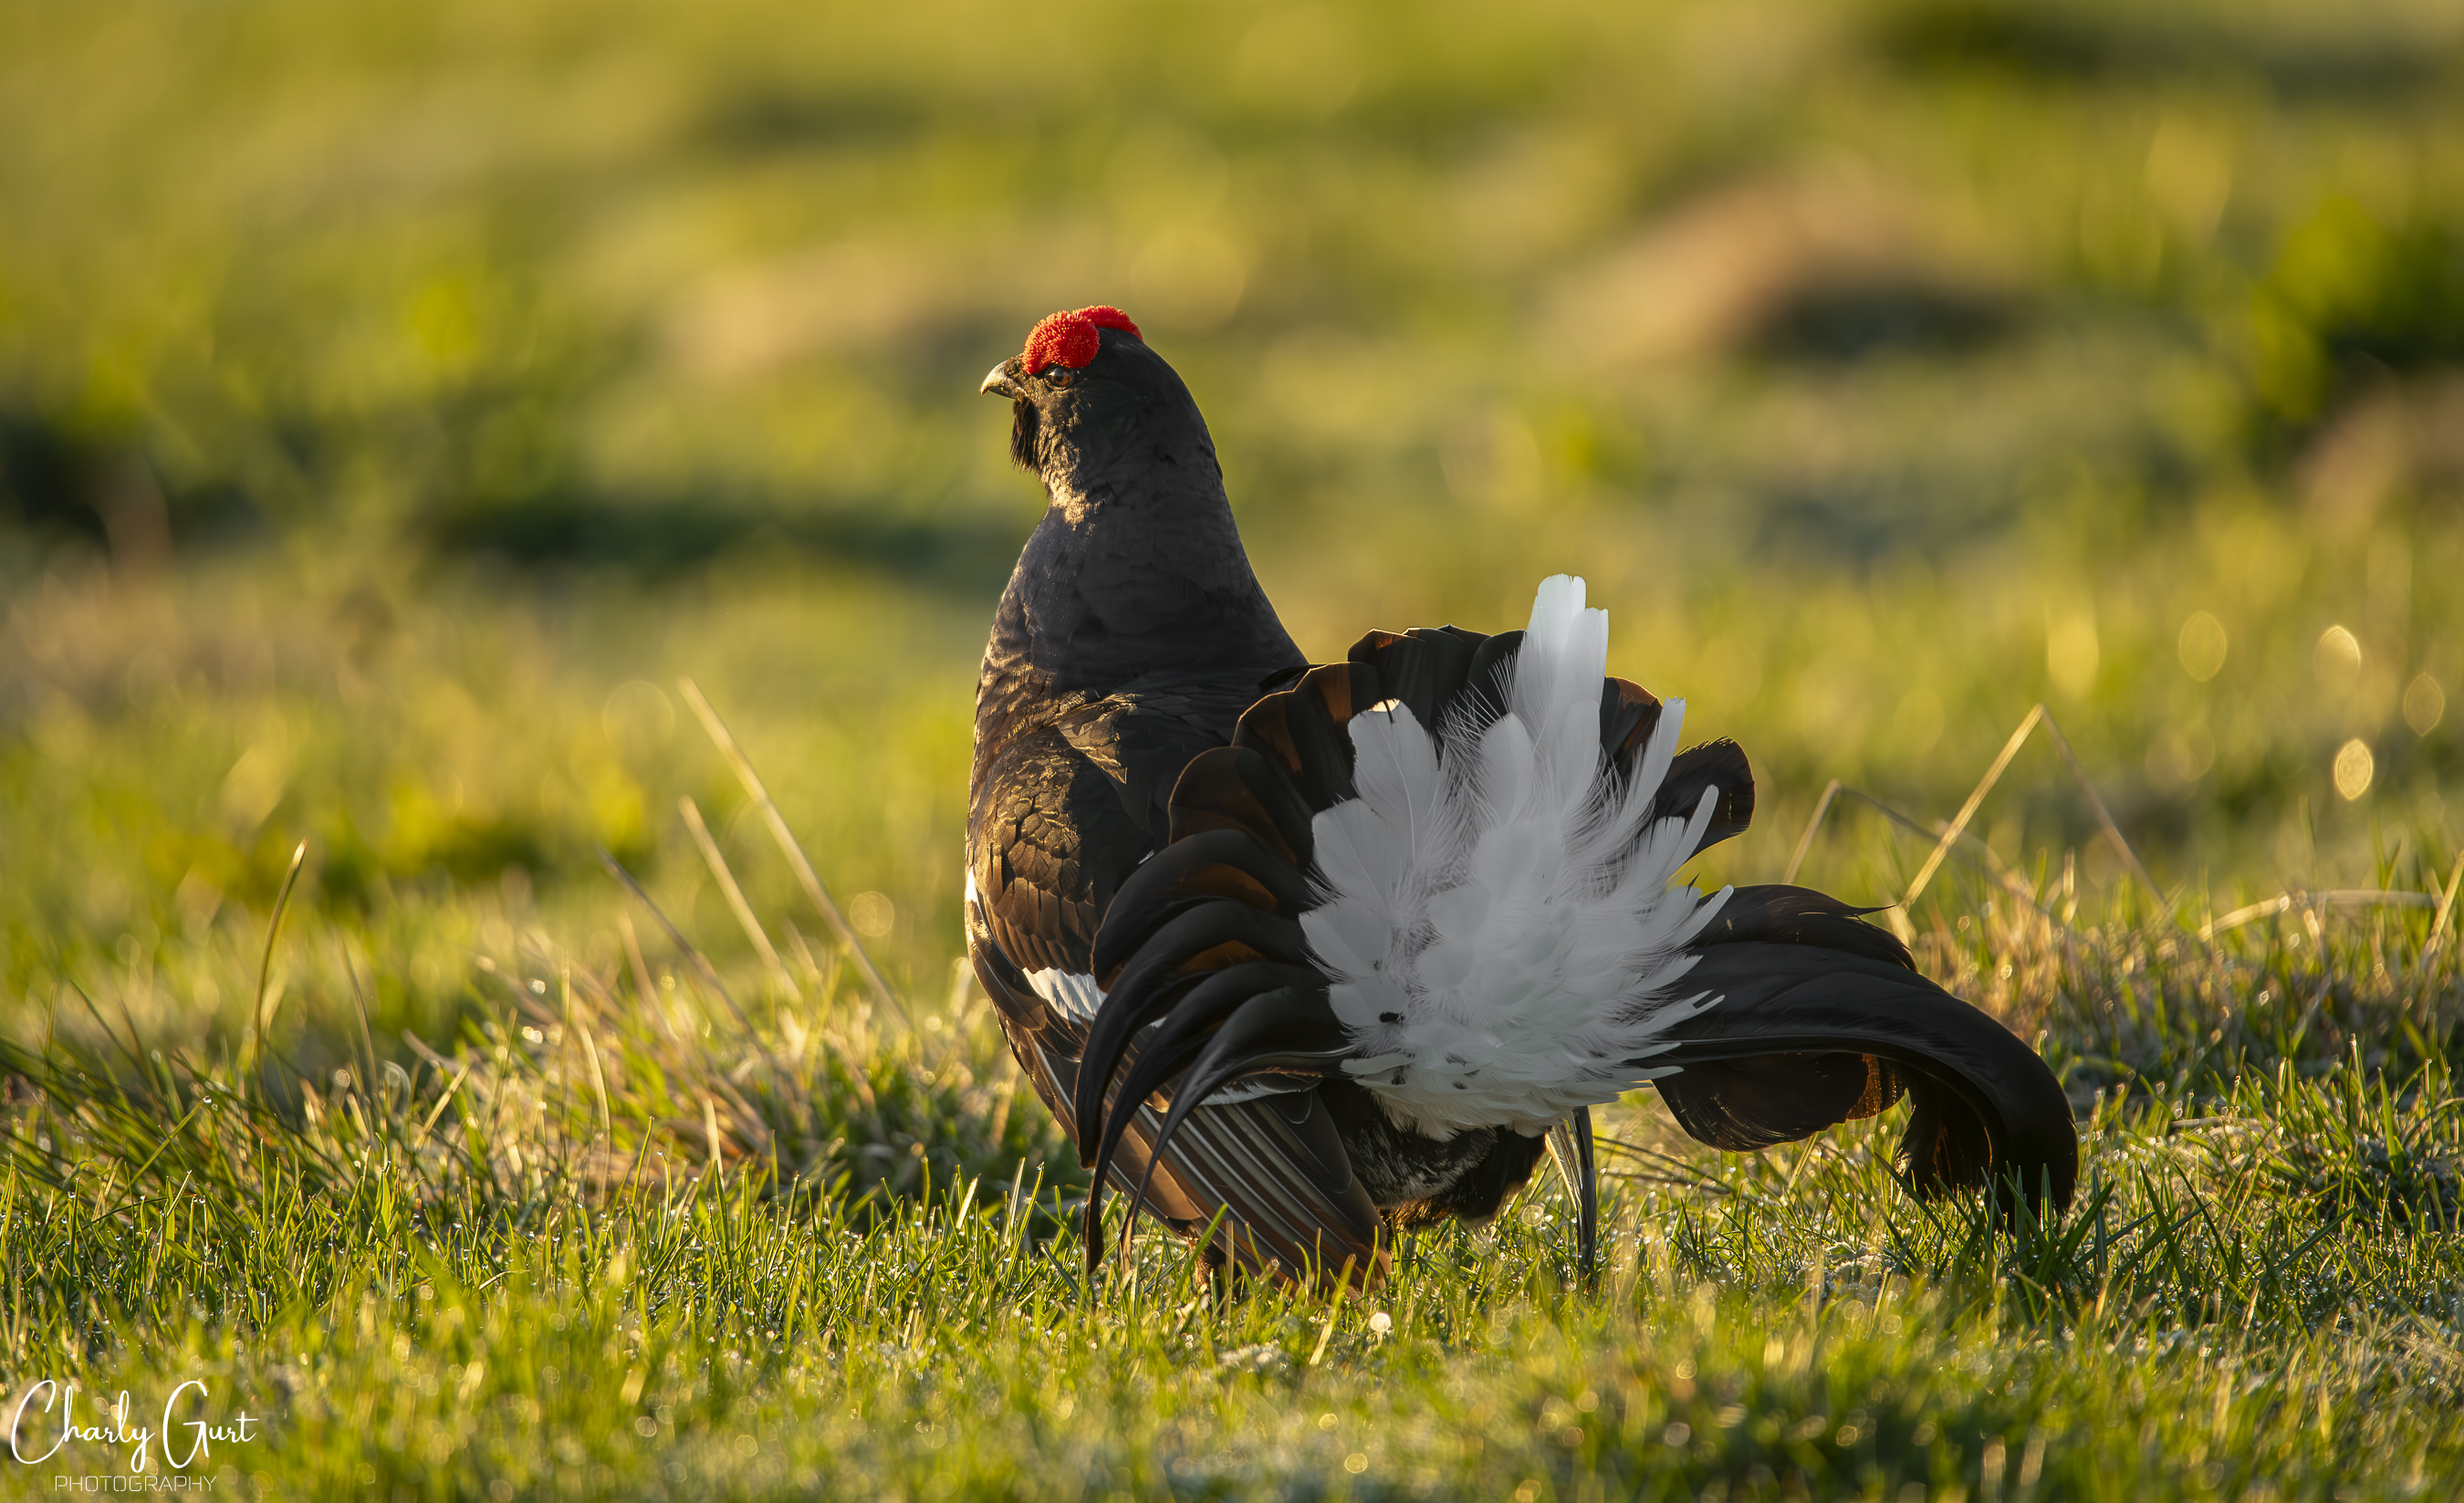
{"x":396,"y":399}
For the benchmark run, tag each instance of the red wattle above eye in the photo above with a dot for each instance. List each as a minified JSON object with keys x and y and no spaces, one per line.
{"x":1071,"y":338}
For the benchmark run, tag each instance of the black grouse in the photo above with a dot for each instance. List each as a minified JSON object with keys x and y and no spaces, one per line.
{"x":1308,"y":956}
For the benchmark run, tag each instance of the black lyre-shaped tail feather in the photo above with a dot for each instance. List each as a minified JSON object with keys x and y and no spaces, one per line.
{"x":1824,"y":1019}
{"x":1288,"y":1028}
{"x":1206,"y":970}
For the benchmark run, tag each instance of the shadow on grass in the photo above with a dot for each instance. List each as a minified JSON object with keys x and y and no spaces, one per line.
{"x":2051,"y":46}
{"x":660,"y":536}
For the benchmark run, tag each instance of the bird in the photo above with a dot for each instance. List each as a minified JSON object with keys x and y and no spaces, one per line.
{"x":1306,"y":957}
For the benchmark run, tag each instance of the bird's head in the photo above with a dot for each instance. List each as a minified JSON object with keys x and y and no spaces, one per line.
{"x":1087,"y":390}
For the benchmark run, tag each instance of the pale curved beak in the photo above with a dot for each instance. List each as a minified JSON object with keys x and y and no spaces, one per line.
{"x":1000,"y":385}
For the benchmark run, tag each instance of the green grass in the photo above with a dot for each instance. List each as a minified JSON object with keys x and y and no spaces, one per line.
{"x":528,"y":1266}
{"x":397,"y":401}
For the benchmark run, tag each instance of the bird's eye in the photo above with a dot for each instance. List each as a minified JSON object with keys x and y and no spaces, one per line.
{"x":1060,"y":376}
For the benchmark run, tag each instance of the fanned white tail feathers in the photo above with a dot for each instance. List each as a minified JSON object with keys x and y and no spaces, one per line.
{"x":1499,"y":925}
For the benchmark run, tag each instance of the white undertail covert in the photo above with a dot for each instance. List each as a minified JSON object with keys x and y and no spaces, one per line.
{"x":1498,"y":922}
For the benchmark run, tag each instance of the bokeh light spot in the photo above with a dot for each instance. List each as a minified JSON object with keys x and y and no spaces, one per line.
{"x":2339,"y":653}
{"x":2181,"y":756}
{"x":873,"y":914}
{"x":2423,"y":704}
{"x":2354,"y":769}
{"x":638,"y":717}
{"x":2202,"y":645}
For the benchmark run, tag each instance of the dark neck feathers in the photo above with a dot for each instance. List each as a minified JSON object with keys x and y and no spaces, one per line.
{"x":1136,"y":573}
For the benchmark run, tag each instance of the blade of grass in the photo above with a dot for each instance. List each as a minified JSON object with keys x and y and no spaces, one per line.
{"x":809,"y":879}
{"x":642,"y":981}
{"x":1805,"y":842}
{"x":360,"y":1001}
{"x":708,"y":972}
{"x":2105,"y":816}
{"x":2341,"y":897}
{"x":428,"y":1123}
{"x":274,"y":931}
{"x":1967,"y":811}
{"x":716,"y":861}
{"x":2446,"y":909}
{"x":590,"y":1051}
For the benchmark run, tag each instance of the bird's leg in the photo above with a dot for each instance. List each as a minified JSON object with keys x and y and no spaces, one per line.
{"x":1570,"y":1145}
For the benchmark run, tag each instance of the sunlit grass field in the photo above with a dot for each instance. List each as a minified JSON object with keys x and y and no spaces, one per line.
{"x":399,"y":404}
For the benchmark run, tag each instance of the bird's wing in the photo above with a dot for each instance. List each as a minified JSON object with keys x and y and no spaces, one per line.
{"x":1059,"y":817}
{"x":1047,"y":842}
{"x":1054,"y":831}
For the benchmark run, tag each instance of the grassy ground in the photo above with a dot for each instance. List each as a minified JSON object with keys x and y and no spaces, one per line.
{"x":613,"y":1244}
{"x":396,"y":403}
